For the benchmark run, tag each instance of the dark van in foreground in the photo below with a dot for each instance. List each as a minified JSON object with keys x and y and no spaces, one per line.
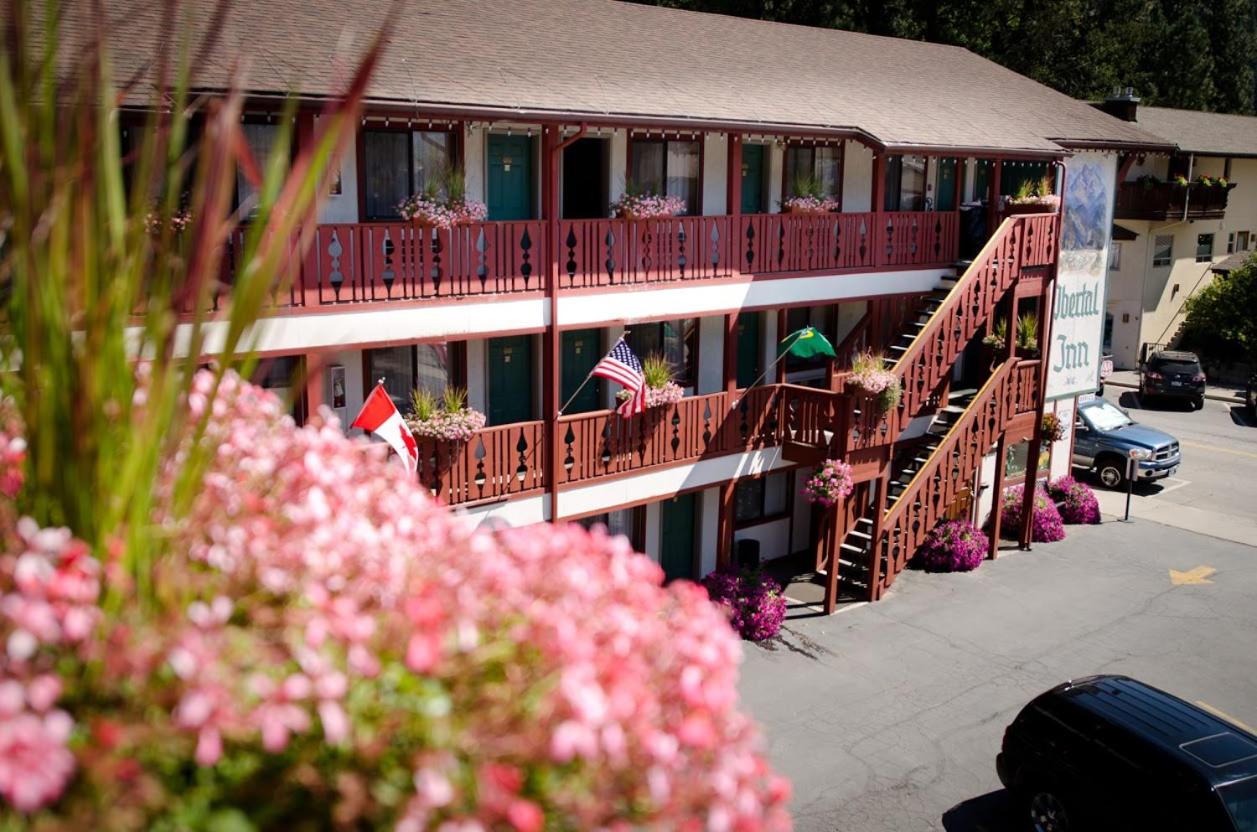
{"x":1112,"y":753}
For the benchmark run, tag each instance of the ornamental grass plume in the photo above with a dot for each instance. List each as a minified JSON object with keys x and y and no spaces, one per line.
{"x":211,"y":618}
{"x":1046,"y":523}
{"x":1077,"y":502}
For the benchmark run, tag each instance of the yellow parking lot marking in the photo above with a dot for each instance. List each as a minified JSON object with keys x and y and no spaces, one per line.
{"x":1192,"y":577}
{"x":1221,"y":714}
{"x":1204,"y":447}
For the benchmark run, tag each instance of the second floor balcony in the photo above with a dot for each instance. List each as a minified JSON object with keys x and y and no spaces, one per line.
{"x":1170,"y":201}
{"x":381,"y":262}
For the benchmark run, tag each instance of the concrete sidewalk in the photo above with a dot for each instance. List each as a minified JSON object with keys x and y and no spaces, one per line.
{"x":1220,"y":393}
{"x":1188,"y":518}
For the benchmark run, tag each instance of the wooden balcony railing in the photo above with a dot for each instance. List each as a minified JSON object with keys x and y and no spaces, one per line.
{"x":497,"y":462}
{"x":1169,"y":201}
{"x":1011,"y":390}
{"x":351,"y":263}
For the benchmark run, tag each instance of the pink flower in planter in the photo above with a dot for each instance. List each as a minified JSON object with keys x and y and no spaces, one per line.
{"x":1077,"y":501}
{"x":1046,"y":523}
{"x":954,"y":546}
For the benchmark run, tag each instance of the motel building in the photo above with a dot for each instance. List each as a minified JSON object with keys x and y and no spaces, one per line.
{"x":549,"y":112}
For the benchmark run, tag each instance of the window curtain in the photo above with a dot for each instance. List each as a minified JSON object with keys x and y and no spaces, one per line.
{"x":261,"y":141}
{"x":647,"y":173}
{"x":682,"y":172}
{"x":675,"y":340}
{"x":396,"y":366}
{"x":823,"y":164}
{"x":386,"y":172}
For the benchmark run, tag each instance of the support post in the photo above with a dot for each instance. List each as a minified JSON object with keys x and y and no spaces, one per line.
{"x":879,"y":512}
{"x":550,"y":149}
{"x":733,"y":177}
{"x":315,"y":395}
{"x":731,"y":355}
{"x":724,"y":526}
{"x":781,"y":334}
{"x":992,"y":208}
{"x":997,"y":498}
{"x":835,"y":531}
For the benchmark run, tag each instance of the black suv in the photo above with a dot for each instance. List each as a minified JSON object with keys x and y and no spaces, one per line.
{"x":1173,"y":375}
{"x":1111,"y":753}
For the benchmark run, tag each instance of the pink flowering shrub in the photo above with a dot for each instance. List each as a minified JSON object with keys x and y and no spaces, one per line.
{"x":1046,"y":523}
{"x":830,"y":483}
{"x":1077,"y":502}
{"x":810,"y":205}
{"x":754,"y":601}
{"x":647,"y":206}
{"x":321,"y":646}
{"x":954,"y":546}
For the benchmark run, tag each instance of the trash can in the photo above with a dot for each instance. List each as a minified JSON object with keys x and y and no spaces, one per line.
{"x":746,"y":553}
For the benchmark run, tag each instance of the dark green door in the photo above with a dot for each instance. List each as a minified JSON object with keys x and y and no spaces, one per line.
{"x":752,"y":178}
{"x":510,"y":379}
{"x":750,"y":351}
{"x":946,"y":189}
{"x":581,"y":349}
{"x":676,"y":536}
{"x":510,"y":177}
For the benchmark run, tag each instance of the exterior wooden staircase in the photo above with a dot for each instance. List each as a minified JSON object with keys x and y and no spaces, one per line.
{"x":879,"y":528}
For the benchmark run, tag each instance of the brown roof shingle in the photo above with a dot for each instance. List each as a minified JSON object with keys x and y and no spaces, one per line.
{"x":1211,"y":134}
{"x":605,"y":58}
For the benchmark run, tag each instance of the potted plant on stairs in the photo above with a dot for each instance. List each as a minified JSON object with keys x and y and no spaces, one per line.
{"x":1028,"y":336}
{"x":870,"y":378}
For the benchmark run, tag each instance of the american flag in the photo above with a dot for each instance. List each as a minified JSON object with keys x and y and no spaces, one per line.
{"x":620,"y":365}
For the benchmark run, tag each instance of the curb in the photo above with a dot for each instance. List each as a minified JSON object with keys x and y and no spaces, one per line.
{"x":1234,"y":398}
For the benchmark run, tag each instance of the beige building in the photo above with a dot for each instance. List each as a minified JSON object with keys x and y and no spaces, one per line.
{"x":1168,"y":236}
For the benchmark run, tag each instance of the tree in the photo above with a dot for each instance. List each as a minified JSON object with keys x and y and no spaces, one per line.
{"x":1222,"y":317}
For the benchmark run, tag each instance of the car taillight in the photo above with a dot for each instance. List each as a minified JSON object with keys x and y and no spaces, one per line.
{"x":1198,"y":378}
{"x":1154,"y":375}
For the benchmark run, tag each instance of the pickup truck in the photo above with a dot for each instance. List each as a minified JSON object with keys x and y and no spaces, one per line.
{"x":1105,"y":438}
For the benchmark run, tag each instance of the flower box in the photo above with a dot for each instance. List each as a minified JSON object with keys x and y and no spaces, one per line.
{"x":668,"y":393}
{"x":809,"y":205}
{"x":1033,"y":205}
{"x":448,"y":426}
{"x":647,"y":206}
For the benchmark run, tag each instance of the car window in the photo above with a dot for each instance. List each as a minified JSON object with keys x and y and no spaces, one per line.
{"x":1166,"y":365}
{"x":1104,"y":416}
{"x":1241,"y":803}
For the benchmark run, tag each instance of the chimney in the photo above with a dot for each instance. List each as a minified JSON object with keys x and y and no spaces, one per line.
{"x":1123,"y":104}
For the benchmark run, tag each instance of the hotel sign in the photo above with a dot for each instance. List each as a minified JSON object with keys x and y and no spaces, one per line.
{"x":1075,"y":352}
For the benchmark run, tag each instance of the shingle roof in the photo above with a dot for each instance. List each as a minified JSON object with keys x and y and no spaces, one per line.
{"x":1213,"y":134}
{"x":605,"y":58}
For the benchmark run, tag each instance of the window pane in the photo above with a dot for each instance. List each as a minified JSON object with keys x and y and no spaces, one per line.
{"x":1163,"y":251}
{"x":433,"y":367}
{"x":386,"y":172}
{"x":829,"y":170}
{"x":647,"y":172}
{"x":748,"y":500}
{"x":683,"y":173}
{"x":776,"y":487}
{"x":1204,"y":248}
{"x":261,"y":141}
{"x":912,"y":184}
{"x":800,"y":165}
{"x":395,"y":365}
{"x":432,"y":159}
{"x":1115,"y":256}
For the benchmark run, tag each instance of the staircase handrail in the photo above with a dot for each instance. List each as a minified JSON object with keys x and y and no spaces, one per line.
{"x":999,"y":393}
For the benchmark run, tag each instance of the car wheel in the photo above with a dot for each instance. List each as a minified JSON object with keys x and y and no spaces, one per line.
{"x":1111,"y":473}
{"x":1199,"y":402}
{"x":1048,"y":813}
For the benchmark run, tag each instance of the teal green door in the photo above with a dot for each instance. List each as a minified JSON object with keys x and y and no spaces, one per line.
{"x":752,"y":178}
{"x":510,"y":177}
{"x":510,"y":379}
{"x":750,"y":350}
{"x":580,"y":351}
{"x":946,"y":190}
{"x":676,"y":536}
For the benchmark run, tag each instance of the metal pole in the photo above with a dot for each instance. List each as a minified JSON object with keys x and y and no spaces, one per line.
{"x":1132,"y":467}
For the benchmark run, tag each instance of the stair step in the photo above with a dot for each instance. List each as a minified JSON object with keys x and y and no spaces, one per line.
{"x":860,"y":535}
{"x":849,"y":548}
{"x":952,"y":408}
{"x":865,"y":520}
{"x":898,"y":348}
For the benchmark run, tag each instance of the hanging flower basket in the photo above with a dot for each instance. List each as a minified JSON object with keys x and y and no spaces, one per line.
{"x":1053,"y":428}
{"x":830,"y":483}
{"x":809,"y":205}
{"x":871,"y":380}
{"x":647,"y":206}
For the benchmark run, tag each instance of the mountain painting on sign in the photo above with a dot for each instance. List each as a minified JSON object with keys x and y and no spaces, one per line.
{"x":1078,"y":307}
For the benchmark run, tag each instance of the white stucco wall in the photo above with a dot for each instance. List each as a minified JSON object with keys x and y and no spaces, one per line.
{"x":773,"y":537}
{"x":474,"y":147}
{"x":343,"y":207}
{"x":711,"y":357}
{"x":715,"y":169}
{"x":708,"y":536}
{"x":857,"y":178}
{"x":619,"y":164}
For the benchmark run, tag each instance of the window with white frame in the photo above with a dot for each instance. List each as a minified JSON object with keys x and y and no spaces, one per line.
{"x":1230,"y":243}
{"x":1243,"y":240}
{"x":398,"y":163}
{"x":819,"y":167}
{"x":1204,"y":248}
{"x":1115,"y":256}
{"x":1163,"y":250}
{"x":760,"y":499}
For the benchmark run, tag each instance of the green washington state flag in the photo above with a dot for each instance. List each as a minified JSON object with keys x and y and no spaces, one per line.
{"x":808,"y":343}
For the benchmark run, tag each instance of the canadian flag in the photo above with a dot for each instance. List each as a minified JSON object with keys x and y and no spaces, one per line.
{"x":379,"y":416}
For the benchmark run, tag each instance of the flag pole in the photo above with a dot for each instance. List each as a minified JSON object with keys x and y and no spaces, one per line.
{"x":773,"y":363}
{"x":588,"y":377}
